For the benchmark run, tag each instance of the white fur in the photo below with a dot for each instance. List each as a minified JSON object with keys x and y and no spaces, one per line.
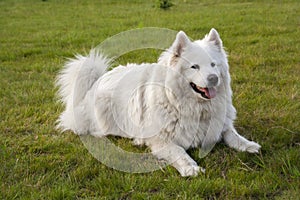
{"x":154,"y":104}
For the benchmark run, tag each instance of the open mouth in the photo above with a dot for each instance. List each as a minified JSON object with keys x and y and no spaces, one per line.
{"x":206,"y":93}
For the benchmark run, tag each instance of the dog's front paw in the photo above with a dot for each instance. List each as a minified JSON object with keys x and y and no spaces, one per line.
{"x":138,"y":142}
{"x":192,"y":170}
{"x":252,"y":147}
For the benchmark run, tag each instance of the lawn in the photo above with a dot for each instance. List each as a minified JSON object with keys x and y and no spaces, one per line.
{"x":262,"y":39}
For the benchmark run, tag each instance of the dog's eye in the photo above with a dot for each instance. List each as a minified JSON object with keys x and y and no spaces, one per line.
{"x":212,"y":64}
{"x":195,"y":66}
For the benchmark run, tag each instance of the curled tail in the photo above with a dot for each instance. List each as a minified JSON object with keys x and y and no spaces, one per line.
{"x":74,"y":81}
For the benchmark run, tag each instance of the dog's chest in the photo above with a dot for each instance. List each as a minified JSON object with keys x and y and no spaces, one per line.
{"x":194,"y":120}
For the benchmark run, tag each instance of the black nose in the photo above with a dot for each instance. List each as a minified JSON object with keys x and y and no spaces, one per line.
{"x":212,"y":80}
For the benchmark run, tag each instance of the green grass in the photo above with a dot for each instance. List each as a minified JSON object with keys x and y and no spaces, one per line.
{"x":263,"y":43}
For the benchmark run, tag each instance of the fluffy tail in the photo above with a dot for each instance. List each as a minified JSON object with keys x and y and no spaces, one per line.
{"x":74,"y":81}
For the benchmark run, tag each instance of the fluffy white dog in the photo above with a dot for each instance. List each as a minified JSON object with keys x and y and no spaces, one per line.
{"x":183,"y":101}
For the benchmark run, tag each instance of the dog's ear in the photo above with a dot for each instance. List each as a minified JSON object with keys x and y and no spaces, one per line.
{"x":180,"y":43}
{"x":214,"y":37}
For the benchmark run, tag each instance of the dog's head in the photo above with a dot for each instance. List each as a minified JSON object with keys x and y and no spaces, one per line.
{"x":203,"y":63}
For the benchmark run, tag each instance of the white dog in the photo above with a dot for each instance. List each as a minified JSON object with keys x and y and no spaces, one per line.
{"x":183,"y":101}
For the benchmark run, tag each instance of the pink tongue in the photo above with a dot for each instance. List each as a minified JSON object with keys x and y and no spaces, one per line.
{"x":210,"y":92}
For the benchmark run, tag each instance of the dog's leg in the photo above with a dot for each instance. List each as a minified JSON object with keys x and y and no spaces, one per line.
{"x":238,"y":142}
{"x":177,"y":157}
